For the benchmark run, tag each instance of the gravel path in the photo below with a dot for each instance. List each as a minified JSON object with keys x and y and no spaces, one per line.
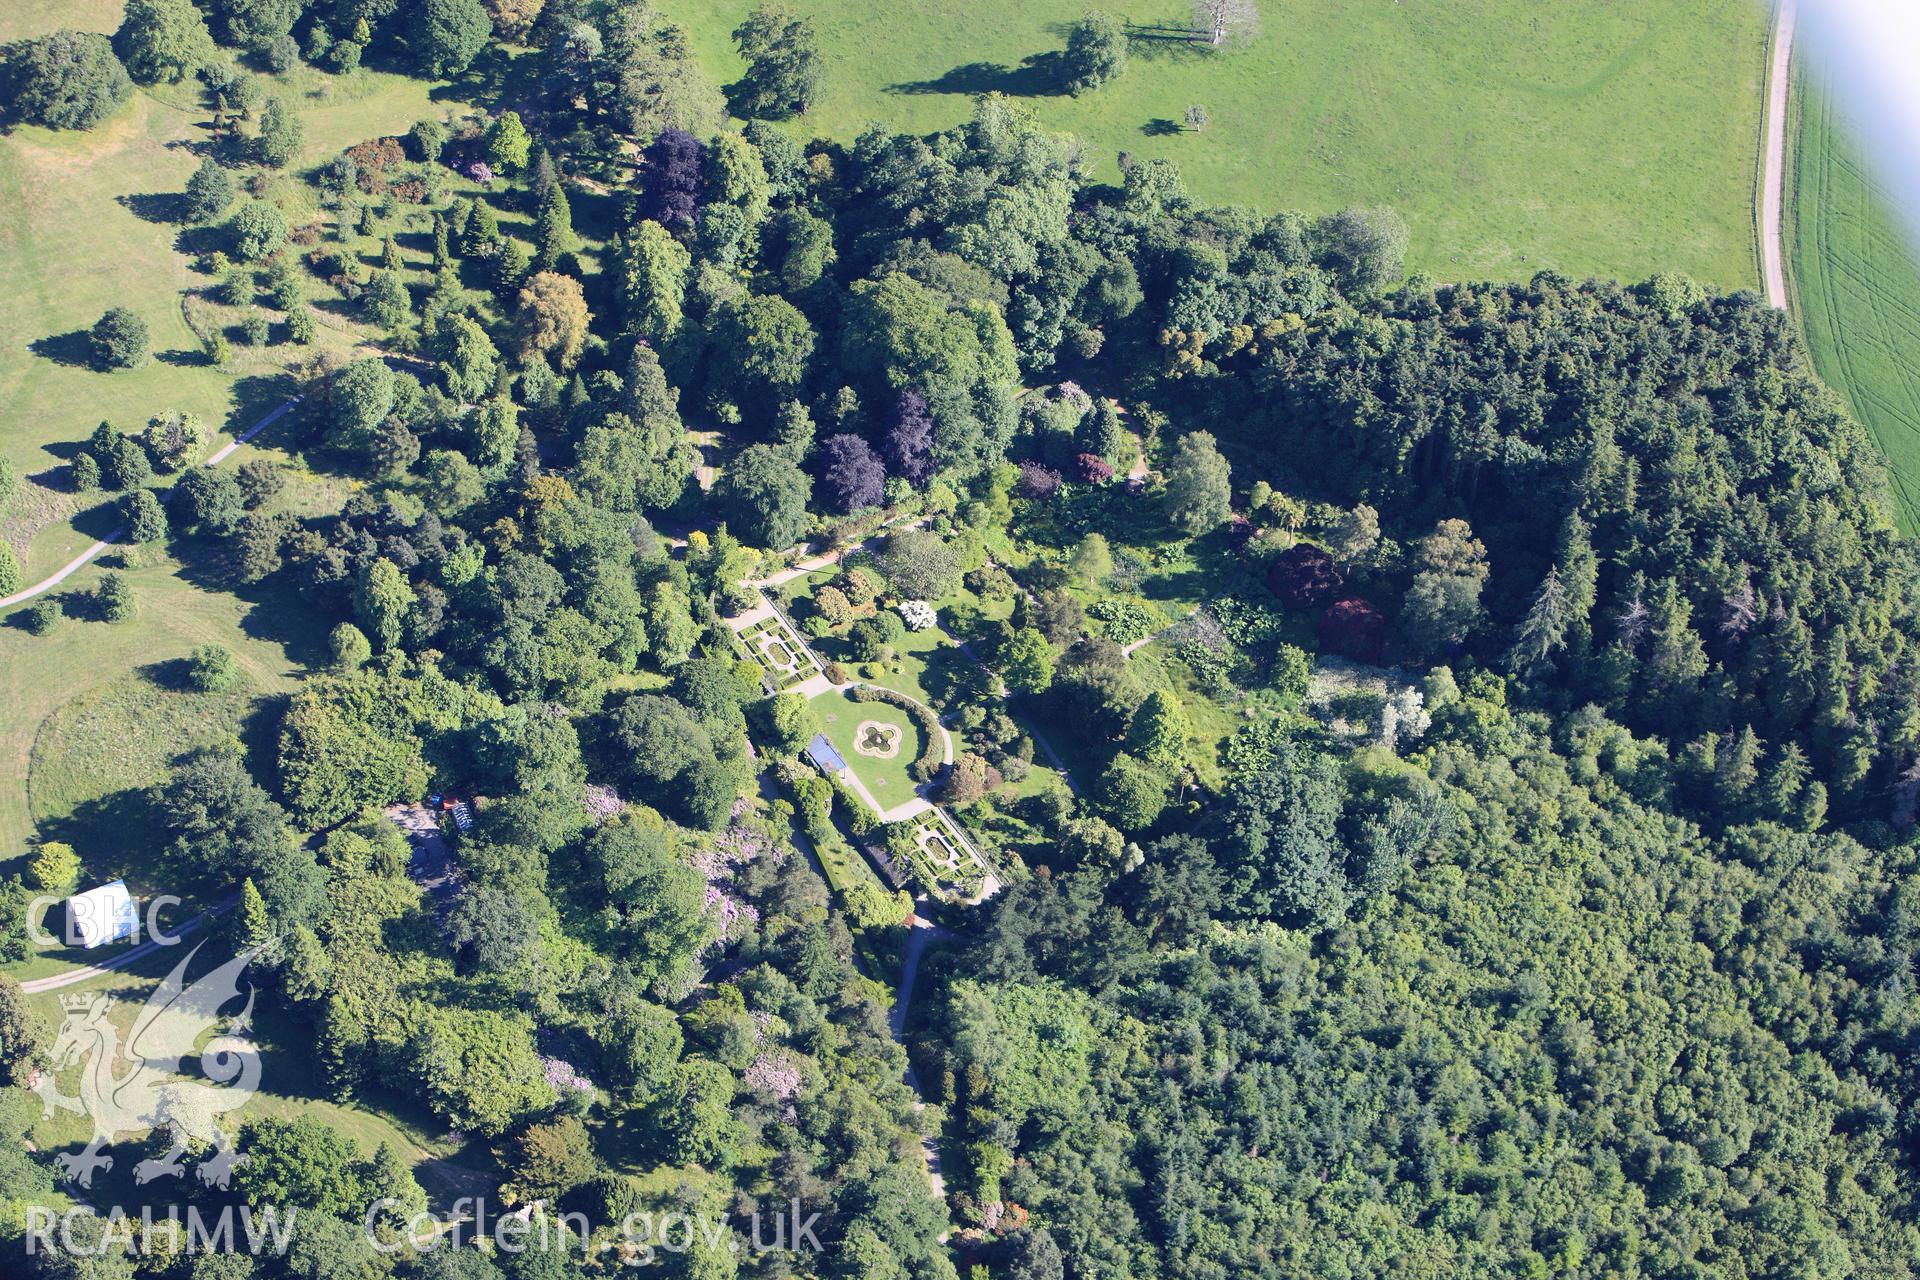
{"x":131,"y":956}
{"x":1774,"y":172}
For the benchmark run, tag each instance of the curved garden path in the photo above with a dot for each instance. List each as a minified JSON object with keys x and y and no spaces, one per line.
{"x":918,"y":804}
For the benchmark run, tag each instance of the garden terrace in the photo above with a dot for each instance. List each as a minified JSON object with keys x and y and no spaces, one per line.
{"x":941,"y":858}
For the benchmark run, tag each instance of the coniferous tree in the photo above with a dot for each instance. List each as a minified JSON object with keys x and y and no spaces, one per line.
{"x":1787,"y":777}
{"x":1736,"y":772}
{"x":1158,"y":733}
{"x":480,"y":238}
{"x":387,"y":300}
{"x":255,"y":925}
{"x":1543,"y":631}
{"x":553,"y":228}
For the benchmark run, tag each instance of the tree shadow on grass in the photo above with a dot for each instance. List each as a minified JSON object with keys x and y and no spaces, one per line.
{"x":278,"y":611}
{"x":511,"y":82}
{"x":118,"y":835}
{"x":59,"y":477}
{"x":596,"y":214}
{"x":1038,"y":75}
{"x":164,"y":207}
{"x":99,"y":520}
{"x":1169,"y":37}
{"x":346,"y":310}
{"x":74,"y":606}
{"x":168,"y":673}
{"x":257,"y":395}
{"x":1161,"y":127}
{"x":259,"y":734}
{"x":200,"y":242}
{"x":73,"y":349}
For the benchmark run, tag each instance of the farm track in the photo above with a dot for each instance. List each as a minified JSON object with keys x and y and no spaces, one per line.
{"x":1774,"y":163}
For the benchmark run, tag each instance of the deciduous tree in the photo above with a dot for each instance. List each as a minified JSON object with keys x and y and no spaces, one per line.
{"x":551,"y":319}
{"x":783,"y":63}
{"x":69,"y":80}
{"x":851,"y":473}
{"x":1096,"y":51}
{"x":162,"y":40}
{"x":1199,"y":488}
{"x":381,"y":599}
{"x":765,"y":497}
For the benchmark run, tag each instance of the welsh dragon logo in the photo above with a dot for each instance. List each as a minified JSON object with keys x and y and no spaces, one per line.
{"x":131,"y":1085}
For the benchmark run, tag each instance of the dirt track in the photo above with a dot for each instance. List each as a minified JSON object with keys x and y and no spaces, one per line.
{"x":1774,"y":164}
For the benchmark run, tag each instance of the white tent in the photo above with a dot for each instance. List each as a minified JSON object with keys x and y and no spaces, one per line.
{"x":102,"y":915}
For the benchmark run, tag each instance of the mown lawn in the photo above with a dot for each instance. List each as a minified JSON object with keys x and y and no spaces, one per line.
{"x":1857,"y":281}
{"x":886,"y":777}
{"x":1606,"y":137}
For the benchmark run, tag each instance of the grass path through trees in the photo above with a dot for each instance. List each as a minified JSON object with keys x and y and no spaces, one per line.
{"x":81,"y":561}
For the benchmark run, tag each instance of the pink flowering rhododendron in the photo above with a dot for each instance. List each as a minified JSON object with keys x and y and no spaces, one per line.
{"x":561,"y":1074}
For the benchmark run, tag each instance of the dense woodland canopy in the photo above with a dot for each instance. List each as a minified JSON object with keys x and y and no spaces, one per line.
{"x":1592,"y":954}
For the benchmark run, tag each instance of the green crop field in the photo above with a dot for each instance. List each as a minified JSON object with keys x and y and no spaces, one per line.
{"x":1857,"y":277}
{"x":1605,"y":137}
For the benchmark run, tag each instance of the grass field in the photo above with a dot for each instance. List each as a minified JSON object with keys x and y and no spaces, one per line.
{"x":1857,"y":280}
{"x":83,"y":226}
{"x":78,"y":727}
{"x":94,"y":758}
{"x":289,"y":1088}
{"x":1608,"y":137}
